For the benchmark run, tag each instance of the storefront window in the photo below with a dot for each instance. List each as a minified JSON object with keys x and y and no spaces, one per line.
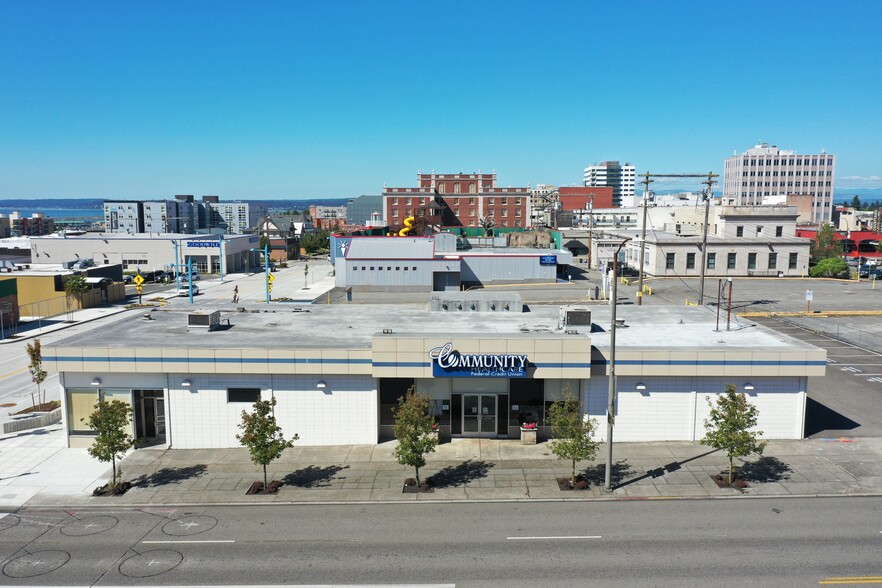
{"x":80,"y":404}
{"x":557,"y":389}
{"x":526,"y":402}
{"x":391,"y":389}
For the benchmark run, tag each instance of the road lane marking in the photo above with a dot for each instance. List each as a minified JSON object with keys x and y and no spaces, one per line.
{"x":193,"y":541}
{"x":24,"y":369}
{"x":554,"y":537}
{"x":853,"y":580}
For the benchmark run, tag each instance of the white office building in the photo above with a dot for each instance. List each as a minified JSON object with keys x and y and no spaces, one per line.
{"x":237,"y":217}
{"x":766,"y":170}
{"x":613,"y":175}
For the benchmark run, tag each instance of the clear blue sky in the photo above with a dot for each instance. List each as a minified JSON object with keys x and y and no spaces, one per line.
{"x":333,"y":99}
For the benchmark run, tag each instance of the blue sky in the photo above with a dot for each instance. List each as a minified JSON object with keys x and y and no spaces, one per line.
{"x":334,"y":99}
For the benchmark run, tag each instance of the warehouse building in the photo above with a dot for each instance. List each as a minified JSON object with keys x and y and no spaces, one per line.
{"x":434,"y":264}
{"x":336,"y":372}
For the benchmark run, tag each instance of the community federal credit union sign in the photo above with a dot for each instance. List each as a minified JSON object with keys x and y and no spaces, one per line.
{"x":450,"y":363}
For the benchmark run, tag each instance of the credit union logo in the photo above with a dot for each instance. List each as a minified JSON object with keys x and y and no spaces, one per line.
{"x":450,"y":363}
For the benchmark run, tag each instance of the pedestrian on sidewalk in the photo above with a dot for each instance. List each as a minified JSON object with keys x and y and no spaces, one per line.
{"x":236,"y":294}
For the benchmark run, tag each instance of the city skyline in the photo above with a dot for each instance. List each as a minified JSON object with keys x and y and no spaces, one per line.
{"x":327,"y":100}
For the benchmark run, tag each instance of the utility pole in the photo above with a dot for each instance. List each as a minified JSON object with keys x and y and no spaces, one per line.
{"x":611,"y":405}
{"x":590,"y":224}
{"x":646,"y":182}
{"x":708,"y":193}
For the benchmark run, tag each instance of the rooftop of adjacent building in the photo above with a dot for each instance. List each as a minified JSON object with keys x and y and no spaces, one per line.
{"x":354,"y":326}
{"x":135,"y":236}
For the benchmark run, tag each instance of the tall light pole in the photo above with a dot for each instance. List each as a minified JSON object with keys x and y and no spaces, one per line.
{"x":611,"y":405}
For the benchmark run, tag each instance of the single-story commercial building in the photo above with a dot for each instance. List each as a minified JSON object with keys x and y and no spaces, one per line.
{"x":151,"y":251}
{"x":41,"y":293}
{"x":337,"y":371}
{"x":434,"y":264}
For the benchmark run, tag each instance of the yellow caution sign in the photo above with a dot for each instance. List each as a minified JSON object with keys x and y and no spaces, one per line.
{"x":139,"y":279}
{"x":271,"y":278}
{"x":139,"y":287}
{"x":270,"y":288}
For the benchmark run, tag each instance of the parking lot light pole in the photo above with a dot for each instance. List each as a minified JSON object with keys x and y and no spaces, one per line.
{"x":266,"y":270}
{"x":611,"y":406}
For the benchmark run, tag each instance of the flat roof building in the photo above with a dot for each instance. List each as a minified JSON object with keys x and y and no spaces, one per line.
{"x":336,"y":372}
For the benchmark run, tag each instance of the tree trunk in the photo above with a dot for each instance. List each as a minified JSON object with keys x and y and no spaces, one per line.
{"x":265,"y":484}
{"x":730,"y":470}
{"x":573,"y":479}
{"x":113,"y":479}
{"x":417,"y":475}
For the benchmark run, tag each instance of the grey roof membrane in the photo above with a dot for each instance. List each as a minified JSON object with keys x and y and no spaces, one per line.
{"x":353,"y":326}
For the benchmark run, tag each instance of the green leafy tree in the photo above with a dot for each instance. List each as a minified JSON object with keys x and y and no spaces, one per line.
{"x":729,"y":426}
{"x":38,"y":374}
{"x":74,"y":288}
{"x":313,"y":242}
{"x":828,"y":268}
{"x":825,"y":245}
{"x":112,"y":423}
{"x":856,"y":202}
{"x":264,"y":241}
{"x":413,"y":429}
{"x":573,"y":432}
{"x":262,"y":436}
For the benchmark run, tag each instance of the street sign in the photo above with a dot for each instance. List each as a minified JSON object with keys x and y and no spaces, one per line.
{"x":139,"y":288}
{"x":271,"y":278}
{"x":270,"y":288}
{"x":139,"y":279}
{"x":808,"y":295}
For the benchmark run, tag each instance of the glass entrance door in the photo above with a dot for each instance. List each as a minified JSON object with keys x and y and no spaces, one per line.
{"x":479,"y":415}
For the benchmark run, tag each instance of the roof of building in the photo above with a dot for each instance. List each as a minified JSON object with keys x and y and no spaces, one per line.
{"x":353,"y":327}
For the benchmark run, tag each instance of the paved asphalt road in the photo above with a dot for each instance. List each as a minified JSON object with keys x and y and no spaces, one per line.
{"x":770,"y":542}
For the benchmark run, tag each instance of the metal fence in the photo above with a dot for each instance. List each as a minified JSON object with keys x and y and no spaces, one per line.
{"x":823,"y":325}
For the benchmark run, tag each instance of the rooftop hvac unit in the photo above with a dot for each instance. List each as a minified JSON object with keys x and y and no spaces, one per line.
{"x":201,"y":320}
{"x":574,"y":316}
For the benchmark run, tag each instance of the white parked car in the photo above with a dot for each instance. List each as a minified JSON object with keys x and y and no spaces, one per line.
{"x":185,"y":290}
{"x":185,"y":276}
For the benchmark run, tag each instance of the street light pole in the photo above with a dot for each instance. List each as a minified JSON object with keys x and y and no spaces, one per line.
{"x":177,"y":266}
{"x":611,"y":405}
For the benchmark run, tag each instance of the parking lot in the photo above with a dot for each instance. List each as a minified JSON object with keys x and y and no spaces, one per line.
{"x":846,"y":401}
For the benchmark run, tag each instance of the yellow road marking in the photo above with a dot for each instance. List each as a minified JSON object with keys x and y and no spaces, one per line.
{"x":853,"y":580}
{"x":24,"y":369}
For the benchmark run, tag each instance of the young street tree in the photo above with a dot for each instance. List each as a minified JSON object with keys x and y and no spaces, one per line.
{"x":729,"y":426}
{"x":38,"y":374}
{"x":74,"y":287}
{"x":829,"y":268}
{"x":413,"y":429}
{"x":262,"y":436}
{"x":111,"y":422}
{"x":573,"y":433}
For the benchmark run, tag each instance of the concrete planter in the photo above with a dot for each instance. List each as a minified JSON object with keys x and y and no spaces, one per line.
{"x":529,"y":436}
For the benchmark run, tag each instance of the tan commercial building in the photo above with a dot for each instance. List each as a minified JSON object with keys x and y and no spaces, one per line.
{"x":338,"y":371}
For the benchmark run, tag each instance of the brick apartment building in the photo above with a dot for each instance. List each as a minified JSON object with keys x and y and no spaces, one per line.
{"x":457,"y":200}
{"x":577,"y":198}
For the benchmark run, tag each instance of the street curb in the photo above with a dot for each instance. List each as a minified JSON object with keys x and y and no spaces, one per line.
{"x":603,"y":499}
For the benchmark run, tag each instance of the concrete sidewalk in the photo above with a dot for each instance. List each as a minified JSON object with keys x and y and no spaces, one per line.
{"x":464,"y":469}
